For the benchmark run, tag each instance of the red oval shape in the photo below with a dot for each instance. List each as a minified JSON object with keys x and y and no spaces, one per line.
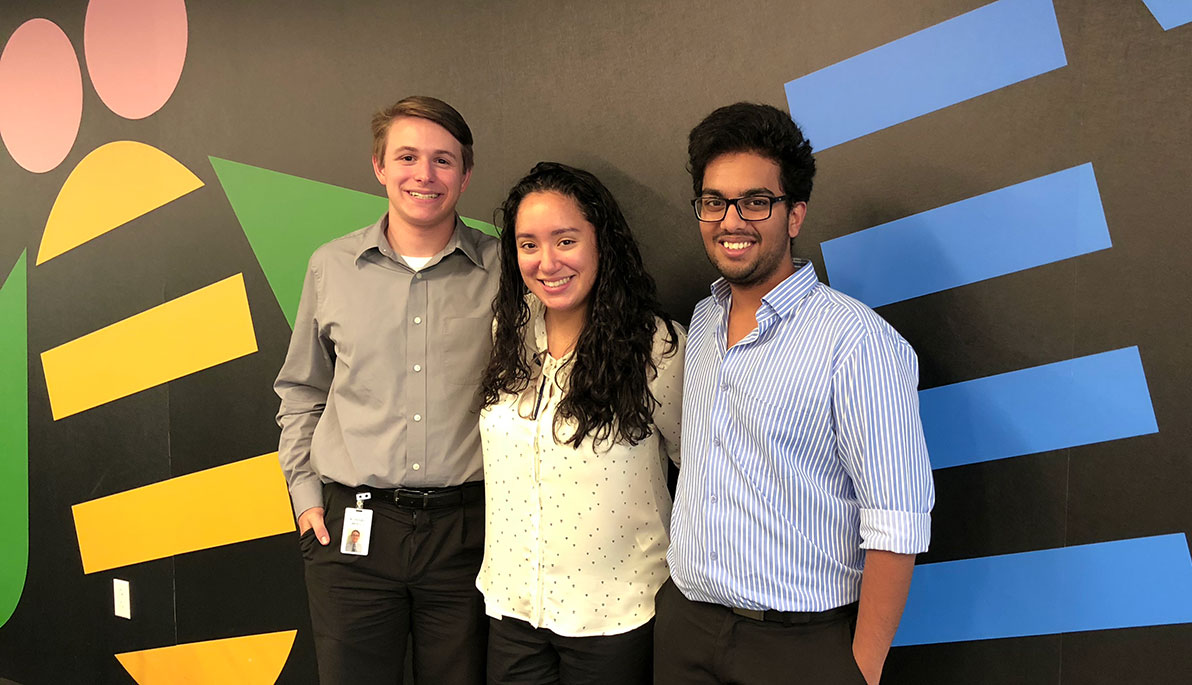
{"x":135,"y":51}
{"x":41,"y":95}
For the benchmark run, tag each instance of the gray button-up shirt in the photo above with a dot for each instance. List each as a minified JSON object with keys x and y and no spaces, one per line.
{"x":380,"y":382}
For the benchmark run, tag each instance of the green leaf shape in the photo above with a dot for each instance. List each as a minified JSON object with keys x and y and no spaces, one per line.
{"x":482,"y":226}
{"x":14,"y":437}
{"x":287,"y":217}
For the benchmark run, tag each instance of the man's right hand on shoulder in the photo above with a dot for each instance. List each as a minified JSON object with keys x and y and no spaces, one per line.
{"x":313,"y":518}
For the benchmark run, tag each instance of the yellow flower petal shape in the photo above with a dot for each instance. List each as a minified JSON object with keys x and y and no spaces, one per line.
{"x":197,"y":331}
{"x":113,"y":185}
{"x":115,"y":531}
{"x":247,"y":660}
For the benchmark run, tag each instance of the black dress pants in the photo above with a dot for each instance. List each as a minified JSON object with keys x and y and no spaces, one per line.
{"x":696,"y":643}
{"x":520,"y":654}
{"x":419,"y":578}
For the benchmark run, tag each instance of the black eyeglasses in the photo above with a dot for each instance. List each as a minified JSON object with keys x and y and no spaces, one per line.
{"x":749,"y":208}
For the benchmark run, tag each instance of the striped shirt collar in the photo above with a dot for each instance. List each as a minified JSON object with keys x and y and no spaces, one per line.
{"x":780,"y":301}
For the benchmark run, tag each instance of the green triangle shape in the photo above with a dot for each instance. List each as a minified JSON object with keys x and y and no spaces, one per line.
{"x":14,"y":438}
{"x":482,"y":226}
{"x":286,"y":218}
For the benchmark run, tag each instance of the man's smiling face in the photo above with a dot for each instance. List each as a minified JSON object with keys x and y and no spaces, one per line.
{"x":422,"y":172}
{"x":749,"y":253}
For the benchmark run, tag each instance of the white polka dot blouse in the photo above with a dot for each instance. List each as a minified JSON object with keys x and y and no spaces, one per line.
{"x":576,"y":539}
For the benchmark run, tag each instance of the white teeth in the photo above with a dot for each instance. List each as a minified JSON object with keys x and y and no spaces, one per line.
{"x":423,"y":196}
{"x":555,"y":284}
{"x":736,"y":246}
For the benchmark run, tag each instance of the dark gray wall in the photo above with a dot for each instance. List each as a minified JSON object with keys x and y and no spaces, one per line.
{"x":614,"y":86}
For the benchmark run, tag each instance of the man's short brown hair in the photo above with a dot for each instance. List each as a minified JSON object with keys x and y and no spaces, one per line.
{"x":423,"y":107}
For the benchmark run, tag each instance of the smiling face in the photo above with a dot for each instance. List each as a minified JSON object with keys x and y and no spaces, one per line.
{"x":423,"y":174}
{"x":750,"y":254}
{"x":556,"y":251}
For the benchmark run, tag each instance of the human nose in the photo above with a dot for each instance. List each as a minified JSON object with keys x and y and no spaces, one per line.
{"x":547,"y":260}
{"x":732,"y":216}
{"x":423,"y":170}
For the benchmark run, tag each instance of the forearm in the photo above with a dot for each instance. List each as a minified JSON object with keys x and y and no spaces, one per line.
{"x":306,"y":489}
{"x":304,"y":385}
{"x":884,"y":586}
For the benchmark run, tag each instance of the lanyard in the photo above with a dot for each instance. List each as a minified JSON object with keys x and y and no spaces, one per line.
{"x":538,"y":396}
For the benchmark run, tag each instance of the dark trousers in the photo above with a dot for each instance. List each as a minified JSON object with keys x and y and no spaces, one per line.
{"x":697,"y":643}
{"x":419,"y":578}
{"x":520,"y":654}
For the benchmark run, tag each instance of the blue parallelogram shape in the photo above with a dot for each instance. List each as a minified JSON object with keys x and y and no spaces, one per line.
{"x":1079,"y":401}
{"x":1170,"y":13}
{"x":1029,"y":224}
{"x":1120,"y":584}
{"x":975,"y":53}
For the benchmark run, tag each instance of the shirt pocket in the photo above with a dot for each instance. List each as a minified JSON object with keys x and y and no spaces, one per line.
{"x":783,"y":417}
{"x":463,"y":349}
{"x":778,"y":404}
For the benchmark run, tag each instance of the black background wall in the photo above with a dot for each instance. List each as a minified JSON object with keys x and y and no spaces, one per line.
{"x":614,"y":87}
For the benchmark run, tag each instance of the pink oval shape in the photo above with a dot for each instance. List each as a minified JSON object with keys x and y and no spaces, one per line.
{"x":135,"y":50}
{"x":41,"y":95}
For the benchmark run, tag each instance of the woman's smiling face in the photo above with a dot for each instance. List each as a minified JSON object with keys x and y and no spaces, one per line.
{"x":556,"y":250}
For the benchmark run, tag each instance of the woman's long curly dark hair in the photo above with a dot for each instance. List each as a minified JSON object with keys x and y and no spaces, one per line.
{"x":607,"y":394}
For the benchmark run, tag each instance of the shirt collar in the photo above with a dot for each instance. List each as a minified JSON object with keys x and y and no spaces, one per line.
{"x":537,"y":323}
{"x":537,"y":346}
{"x":373,"y":238}
{"x":468,"y":241}
{"x":462,"y":237}
{"x":783,"y":298}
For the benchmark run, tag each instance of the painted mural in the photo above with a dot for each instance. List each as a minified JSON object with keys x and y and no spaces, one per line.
{"x":1006,"y":182}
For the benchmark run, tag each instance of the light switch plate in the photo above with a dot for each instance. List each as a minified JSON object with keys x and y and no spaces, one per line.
{"x":122,"y":598}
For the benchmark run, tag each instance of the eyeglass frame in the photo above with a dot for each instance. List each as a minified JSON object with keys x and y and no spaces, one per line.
{"x":733,"y":203}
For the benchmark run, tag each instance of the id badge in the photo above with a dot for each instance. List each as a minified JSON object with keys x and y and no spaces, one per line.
{"x":357,"y":528}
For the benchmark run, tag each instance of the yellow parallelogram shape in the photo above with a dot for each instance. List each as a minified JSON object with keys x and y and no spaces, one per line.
{"x":199,"y":330}
{"x":241,"y":501}
{"x":114,"y":184}
{"x":248,"y":660}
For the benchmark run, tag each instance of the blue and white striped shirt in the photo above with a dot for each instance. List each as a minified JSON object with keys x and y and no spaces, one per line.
{"x":802,"y":447}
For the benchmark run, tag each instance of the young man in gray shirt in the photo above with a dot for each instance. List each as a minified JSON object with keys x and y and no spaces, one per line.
{"x":378,"y":416}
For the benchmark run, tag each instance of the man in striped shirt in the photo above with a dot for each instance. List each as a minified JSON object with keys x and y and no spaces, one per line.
{"x":805,"y":490}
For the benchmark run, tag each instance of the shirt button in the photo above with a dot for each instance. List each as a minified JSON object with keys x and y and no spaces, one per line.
{"x":417,"y":368}
{"x":417,"y":417}
{"x":724,"y":387}
{"x":417,"y":319}
{"x":712,"y":556}
{"x":712,"y":499}
{"x":716,"y":442}
{"x":416,"y":466}
{"x":418,"y":275}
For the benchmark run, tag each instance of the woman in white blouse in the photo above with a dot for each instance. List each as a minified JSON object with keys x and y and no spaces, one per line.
{"x":581,"y":413}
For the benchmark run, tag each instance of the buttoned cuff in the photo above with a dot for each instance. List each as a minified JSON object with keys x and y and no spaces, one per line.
{"x":901,"y":532}
{"x":306,"y":494}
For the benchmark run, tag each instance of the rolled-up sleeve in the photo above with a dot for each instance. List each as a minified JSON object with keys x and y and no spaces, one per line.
{"x":303,"y":385}
{"x":876,"y":409}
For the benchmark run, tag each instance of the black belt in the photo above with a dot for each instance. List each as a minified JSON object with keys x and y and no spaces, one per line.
{"x":427,"y":498}
{"x":796,"y":617}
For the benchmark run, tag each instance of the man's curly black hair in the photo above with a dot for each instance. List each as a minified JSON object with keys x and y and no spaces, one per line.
{"x":761,"y":129}
{"x":607,"y":394}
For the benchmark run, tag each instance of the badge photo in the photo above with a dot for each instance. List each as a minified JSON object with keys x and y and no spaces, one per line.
{"x":357,"y":529}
